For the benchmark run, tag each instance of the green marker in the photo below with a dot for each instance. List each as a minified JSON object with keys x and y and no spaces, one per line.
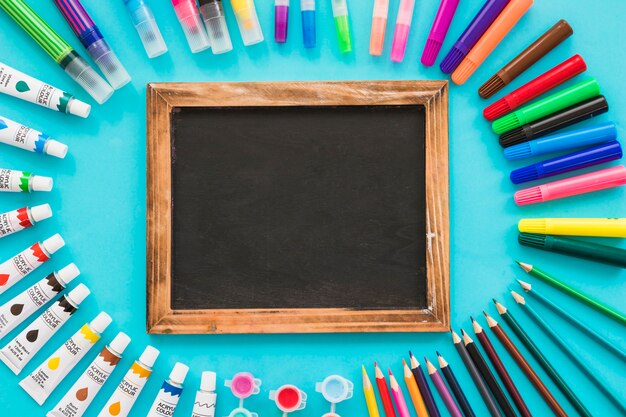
{"x":582,"y":91}
{"x":340,"y":12}
{"x":58,"y":49}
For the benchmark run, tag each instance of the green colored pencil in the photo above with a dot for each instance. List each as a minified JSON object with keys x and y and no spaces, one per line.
{"x":601,"y":307}
{"x":543,"y":361}
{"x":562,"y":344}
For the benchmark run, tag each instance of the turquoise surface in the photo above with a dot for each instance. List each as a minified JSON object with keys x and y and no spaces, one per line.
{"x":99,"y":203}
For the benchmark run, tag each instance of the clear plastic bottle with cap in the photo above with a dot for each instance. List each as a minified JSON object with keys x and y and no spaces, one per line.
{"x":16,"y":220}
{"x":215,"y":22}
{"x":23,"y":182}
{"x":206,"y":398}
{"x":248,"y":21}
{"x":168,"y":396}
{"x":146,"y":26}
{"x":192,"y":25}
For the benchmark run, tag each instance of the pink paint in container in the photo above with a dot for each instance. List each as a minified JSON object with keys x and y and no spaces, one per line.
{"x":403,"y":26}
{"x":243,"y":385}
{"x":438,"y":31}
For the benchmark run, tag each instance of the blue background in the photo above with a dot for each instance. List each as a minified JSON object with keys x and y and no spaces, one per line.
{"x":99,"y":202}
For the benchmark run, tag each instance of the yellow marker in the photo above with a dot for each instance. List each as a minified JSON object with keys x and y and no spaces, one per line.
{"x":575,"y":227}
{"x":248,"y":21}
{"x":370,"y":396}
{"x":414,"y":392}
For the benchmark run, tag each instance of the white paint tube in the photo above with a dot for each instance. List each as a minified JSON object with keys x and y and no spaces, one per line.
{"x":17,"y":220}
{"x":23,"y":137}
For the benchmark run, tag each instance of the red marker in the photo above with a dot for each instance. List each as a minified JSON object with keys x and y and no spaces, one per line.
{"x":384,"y":392}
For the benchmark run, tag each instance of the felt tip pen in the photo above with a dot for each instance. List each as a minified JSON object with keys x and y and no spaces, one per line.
{"x":281,"y":20}
{"x":309,"y":35}
{"x":575,"y":226}
{"x":586,"y":136}
{"x":215,"y":22}
{"x":58,"y":49}
{"x":609,"y":151}
{"x":17,"y":220}
{"x":481,"y":22}
{"x":581,"y":184}
{"x":438,"y":31}
{"x":403,"y":26}
{"x":23,"y":182}
{"x":23,"y":137}
{"x":379,"y":25}
{"x":192,"y":25}
{"x":27,"y":88}
{"x":342,"y":24}
{"x":89,"y":35}
{"x":145,"y":24}
{"x":248,"y":21}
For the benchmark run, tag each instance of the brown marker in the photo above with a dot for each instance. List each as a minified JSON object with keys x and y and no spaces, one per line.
{"x":537,"y":50}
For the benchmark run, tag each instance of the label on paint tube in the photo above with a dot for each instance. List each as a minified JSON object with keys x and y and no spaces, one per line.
{"x":14,"y":221}
{"x":20,"y":136}
{"x":204,"y":406}
{"x":127,"y":391}
{"x":21,"y":265}
{"x":166,"y":401}
{"x":14,"y":181}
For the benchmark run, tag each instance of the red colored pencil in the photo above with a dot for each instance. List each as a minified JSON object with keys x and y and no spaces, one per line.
{"x":383,"y":390}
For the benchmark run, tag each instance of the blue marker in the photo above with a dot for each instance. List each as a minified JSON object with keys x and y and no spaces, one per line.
{"x":146,"y":26}
{"x":600,"y":154}
{"x":307,"y":8}
{"x":591,"y":135}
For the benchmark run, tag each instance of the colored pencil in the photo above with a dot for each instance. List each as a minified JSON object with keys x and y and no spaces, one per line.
{"x":414,"y":391}
{"x":577,"y":323}
{"x":443,"y":390}
{"x":398,"y":396}
{"x":543,"y":361}
{"x":599,"y":306}
{"x":500,"y":369}
{"x":453,"y":383}
{"x":558,"y":340}
{"x":478,"y":380}
{"x":429,"y":400}
{"x":525,"y":367}
{"x":370,"y":396}
{"x":488,"y":376}
{"x":384,"y":392}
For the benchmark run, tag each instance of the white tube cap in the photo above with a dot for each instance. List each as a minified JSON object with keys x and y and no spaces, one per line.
{"x":179,"y":373}
{"x":78,"y":294}
{"x":39,"y":183}
{"x":53,"y":243}
{"x":79,"y":108}
{"x":41,"y":212}
{"x":100,"y":322}
{"x":149,"y":356}
{"x":67,"y":274}
{"x":120,"y":342}
{"x":55,"y":148}
{"x":208,"y":381}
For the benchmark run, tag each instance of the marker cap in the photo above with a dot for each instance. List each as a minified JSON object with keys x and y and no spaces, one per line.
{"x":120,"y":342}
{"x":248,"y":22}
{"x":55,"y":148}
{"x":151,"y":38}
{"x":100,"y":322}
{"x":78,"y":108}
{"x":39,"y":183}
{"x":89,"y":79}
{"x":192,"y":26}
{"x":67,"y":274}
{"x":179,"y":373}
{"x":149,"y":356}
{"x":109,"y":64}
{"x":377,"y":37}
{"x":41,"y":212}
{"x":78,"y":294}
{"x":208,"y":381}
{"x":53,"y":243}
{"x":215,"y":22}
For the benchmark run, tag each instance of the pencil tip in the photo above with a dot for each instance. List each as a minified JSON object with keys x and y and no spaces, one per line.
{"x":525,"y":285}
{"x":437,"y":352}
{"x":375,"y":364}
{"x":518,"y":298}
{"x":410,"y":353}
{"x":526,"y":267}
{"x":500,"y":307}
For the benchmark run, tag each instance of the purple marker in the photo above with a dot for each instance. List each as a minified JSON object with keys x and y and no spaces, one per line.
{"x":483,"y":19}
{"x":438,"y":31}
{"x":281,"y":20}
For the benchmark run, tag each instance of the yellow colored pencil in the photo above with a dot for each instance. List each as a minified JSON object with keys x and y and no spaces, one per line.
{"x":414,"y":392}
{"x":370,"y":396}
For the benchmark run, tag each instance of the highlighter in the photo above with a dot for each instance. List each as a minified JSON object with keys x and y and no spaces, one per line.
{"x":307,"y":10}
{"x":215,"y":22}
{"x":146,"y":27}
{"x":248,"y":21}
{"x":560,"y":100}
{"x":379,"y":25}
{"x":438,"y":31}
{"x":581,"y":184}
{"x":614,"y":227}
{"x":192,"y":25}
{"x":403,"y":26}
{"x":490,"y":39}
{"x":281,"y":20}
{"x":342,"y":24}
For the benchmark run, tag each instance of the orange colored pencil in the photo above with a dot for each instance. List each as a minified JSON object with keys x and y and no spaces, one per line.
{"x":414,"y":392}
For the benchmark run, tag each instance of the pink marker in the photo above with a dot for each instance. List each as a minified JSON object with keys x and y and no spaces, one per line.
{"x":580,"y":184}
{"x":438,"y":31}
{"x":398,"y":397}
{"x":403,"y":25}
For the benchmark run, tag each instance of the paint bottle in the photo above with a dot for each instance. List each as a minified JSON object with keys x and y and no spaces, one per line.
{"x":79,"y":397}
{"x":166,"y":400}
{"x":26,"y":303}
{"x":204,"y":406}
{"x":27,"y":261}
{"x":19,"y":351}
{"x":288,"y":399}
{"x":335,"y":389}
{"x":13,"y":181}
{"x":23,"y":137}
{"x":22,"y":218}
{"x":243,"y":385}
{"x":124,"y":397}
{"x":43,"y":380}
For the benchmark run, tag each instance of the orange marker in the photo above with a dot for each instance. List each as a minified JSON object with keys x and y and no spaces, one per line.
{"x":414,"y":392}
{"x":490,"y":39}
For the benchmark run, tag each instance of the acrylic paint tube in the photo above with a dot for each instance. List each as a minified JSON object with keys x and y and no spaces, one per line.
{"x":166,"y":400}
{"x":124,"y":397}
{"x":23,"y":137}
{"x":19,"y":351}
{"x":43,"y":380}
{"x":27,"y":261}
{"x":204,"y":406}
{"x":15,"y":311}
{"x":79,"y":397}
{"x":14,"y":181}
{"x":22,"y":218}
{"x":25,"y":87}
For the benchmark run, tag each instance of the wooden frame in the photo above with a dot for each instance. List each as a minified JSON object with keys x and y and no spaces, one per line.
{"x":163,"y":97}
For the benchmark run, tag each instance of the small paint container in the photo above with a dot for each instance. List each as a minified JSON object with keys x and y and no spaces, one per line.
{"x":289,"y":398}
{"x":331,"y":415}
{"x":335,"y":389}
{"x":242,"y":412}
{"x":243,"y":385}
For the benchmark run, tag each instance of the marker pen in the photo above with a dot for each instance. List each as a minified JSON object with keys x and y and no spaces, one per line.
{"x":27,"y":88}
{"x":22,"y":218}
{"x":575,"y":227}
{"x":43,"y":380}
{"x":191,"y":23}
{"x":21,"y":181}
{"x":281,"y":20}
{"x":142,"y":18}
{"x":307,"y":10}
{"x":19,"y":351}
{"x":215,"y":22}
{"x":21,"y":136}
{"x":248,"y":21}
{"x":167,"y":398}
{"x":379,"y":25}
{"x":79,"y":397}
{"x":204,"y":405}
{"x":438,"y":31}
{"x":23,"y":305}
{"x":403,"y":26}
{"x":58,"y":49}
{"x":25,"y":262}
{"x":124,"y":397}
{"x":342,"y":24}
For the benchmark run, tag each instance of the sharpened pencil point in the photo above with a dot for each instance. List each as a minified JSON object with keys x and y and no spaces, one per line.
{"x":455,"y":337}
{"x":526,"y":267}
{"x":525,"y":285}
{"x":518,"y":298}
{"x":442,"y":361}
{"x":490,"y":321}
{"x":431,"y":368}
{"x":466,"y":339}
{"x":477,"y":327}
{"x":500,"y":307}
{"x":437,"y":352}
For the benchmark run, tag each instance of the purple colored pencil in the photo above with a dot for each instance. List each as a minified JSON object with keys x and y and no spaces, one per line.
{"x":438,"y":31}
{"x":443,"y":390}
{"x":422,"y":384}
